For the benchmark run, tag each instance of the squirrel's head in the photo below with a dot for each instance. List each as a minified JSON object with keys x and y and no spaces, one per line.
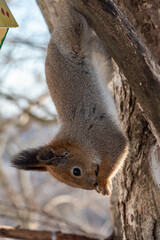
{"x":66,"y":162}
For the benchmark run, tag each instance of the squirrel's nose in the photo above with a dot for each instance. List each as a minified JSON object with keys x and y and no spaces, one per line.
{"x":92,"y":178}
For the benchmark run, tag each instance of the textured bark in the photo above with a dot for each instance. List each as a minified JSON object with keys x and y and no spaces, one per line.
{"x":136,"y":197}
{"x":136,"y":187}
{"x":135,"y":201}
{"x":49,"y":12}
{"x":145,"y":17}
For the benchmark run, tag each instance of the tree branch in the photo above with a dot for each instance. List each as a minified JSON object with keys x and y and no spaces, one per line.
{"x":26,"y":234}
{"x":9,"y":232}
{"x":130,"y":54}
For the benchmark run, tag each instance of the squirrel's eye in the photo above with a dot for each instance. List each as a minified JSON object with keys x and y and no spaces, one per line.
{"x":76,"y":171}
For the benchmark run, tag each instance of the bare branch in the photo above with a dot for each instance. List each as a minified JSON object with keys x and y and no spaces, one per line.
{"x":28,"y":110}
{"x":27,"y":234}
{"x":10,"y":232}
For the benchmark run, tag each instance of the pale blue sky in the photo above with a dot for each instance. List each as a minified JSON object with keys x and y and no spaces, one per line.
{"x":17,"y":77}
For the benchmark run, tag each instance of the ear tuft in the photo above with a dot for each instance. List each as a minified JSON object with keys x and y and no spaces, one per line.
{"x":27,"y":160}
{"x":45,"y":155}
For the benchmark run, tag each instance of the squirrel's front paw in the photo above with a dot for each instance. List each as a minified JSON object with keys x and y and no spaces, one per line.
{"x":104,"y":187}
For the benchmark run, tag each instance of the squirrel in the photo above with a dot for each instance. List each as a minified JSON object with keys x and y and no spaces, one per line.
{"x":90,"y":146}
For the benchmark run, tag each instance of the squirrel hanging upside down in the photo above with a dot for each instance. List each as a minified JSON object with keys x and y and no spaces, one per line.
{"x":90,"y":146}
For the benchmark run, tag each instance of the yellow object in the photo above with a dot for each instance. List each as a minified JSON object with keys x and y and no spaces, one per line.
{"x":6,"y":21}
{"x":6,"y":17}
{"x":3,"y":33}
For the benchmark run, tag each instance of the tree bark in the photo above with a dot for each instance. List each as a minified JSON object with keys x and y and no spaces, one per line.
{"x":135,"y":200}
{"x":9,"y":232}
{"x":145,"y":15}
{"x":136,"y":197}
{"x":19,"y":233}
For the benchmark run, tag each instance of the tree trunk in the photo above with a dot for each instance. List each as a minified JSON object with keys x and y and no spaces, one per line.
{"x":145,"y":16}
{"x":135,"y":196}
{"x":135,"y":201}
{"x":136,"y":193}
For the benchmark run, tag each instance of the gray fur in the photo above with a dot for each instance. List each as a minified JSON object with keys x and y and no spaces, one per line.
{"x":77,"y":70}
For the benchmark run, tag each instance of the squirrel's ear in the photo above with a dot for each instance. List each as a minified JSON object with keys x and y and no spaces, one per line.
{"x":37,"y":159}
{"x":32,"y":159}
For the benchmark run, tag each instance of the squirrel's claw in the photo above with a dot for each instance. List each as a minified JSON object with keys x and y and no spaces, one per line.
{"x":104,"y":189}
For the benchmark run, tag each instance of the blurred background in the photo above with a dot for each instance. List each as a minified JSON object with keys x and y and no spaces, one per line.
{"x":28,"y":119}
